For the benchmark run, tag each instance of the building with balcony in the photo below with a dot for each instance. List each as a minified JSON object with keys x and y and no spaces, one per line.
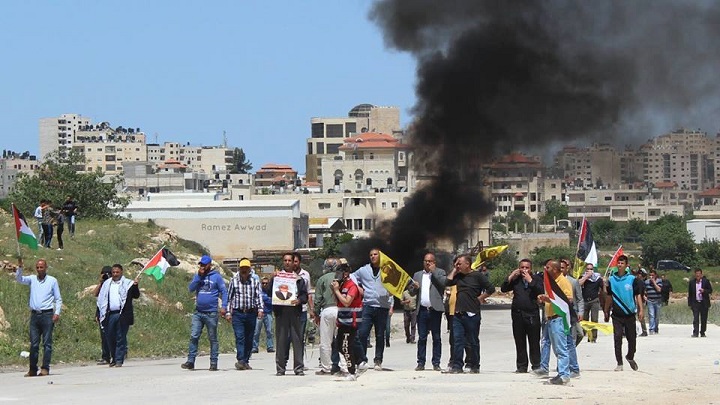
{"x":277,"y":175}
{"x":622,"y":205}
{"x":516,"y":182}
{"x":58,"y":133}
{"x":107,"y":149}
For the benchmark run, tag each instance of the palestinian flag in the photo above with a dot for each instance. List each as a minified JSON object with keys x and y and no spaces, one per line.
{"x":612,"y":266}
{"x":558,"y":300}
{"x":24,"y":234}
{"x":586,"y":251}
{"x":158,"y":265}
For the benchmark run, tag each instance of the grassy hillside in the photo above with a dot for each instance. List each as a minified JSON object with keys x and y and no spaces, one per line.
{"x":161,"y":326}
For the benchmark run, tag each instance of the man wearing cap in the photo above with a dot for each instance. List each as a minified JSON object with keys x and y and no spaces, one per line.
{"x":244,"y":308}
{"x":208,"y":285}
{"x":45,"y":306}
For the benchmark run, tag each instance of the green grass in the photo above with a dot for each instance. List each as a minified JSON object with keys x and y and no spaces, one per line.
{"x":160,"y":329}
{"x":679,"y":313}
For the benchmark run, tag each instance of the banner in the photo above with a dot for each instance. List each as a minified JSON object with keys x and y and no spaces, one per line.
{"x":487,"y":255}
{"x":393,"y":277}
{"x":586,"y":251}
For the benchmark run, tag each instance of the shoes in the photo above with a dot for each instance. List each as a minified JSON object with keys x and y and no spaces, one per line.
{"x":280,"y":373}
{"x":387,"y":343}
{"x":323,"y":372}
{"x":300,"y":373}
{"x":452,"y":370}
{"x":378,"y":366}
{"x":574,"y":374}
{"x":118,"y":365}
{"x":271,"y":350}
{"x":59,"y":248}
{"x":31,"y":374}
{"x":521,"y":371}
{"x":644,"y":334}
{"x":702,"y":334}
{"x":557,"y":380}
{"x":241,"y":365}
{"x":187,"y":366}
{"x":541,"y":372}
{"x":694,"y":335}
{"x":412,"y":341}
{"x":44,"y":372}
{"x":619,"y":367}
{"x":437,"y":368}
{"x":213,"y":367}
{"x":350,"y":377}
{"x":652,"y":332}
{"x":103,"y":362}
{"x":370,"y":345}
{"x":474,"y":371}
{"x":633,"y":364}
{"x":112,"y":364}
{"x":420,"y":368}
{"x":363,"y":366}
{"x":255,"y":351}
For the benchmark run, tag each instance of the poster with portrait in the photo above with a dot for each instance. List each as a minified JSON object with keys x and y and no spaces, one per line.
{"x":284,"y":289}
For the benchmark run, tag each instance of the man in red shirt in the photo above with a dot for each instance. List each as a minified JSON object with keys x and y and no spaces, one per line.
{"x":349,"y":303}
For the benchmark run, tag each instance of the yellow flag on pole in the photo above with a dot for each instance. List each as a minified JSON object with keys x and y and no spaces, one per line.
{"x":602,"y":327}
{"x":487,"y":254}
{"x":392,"y":276}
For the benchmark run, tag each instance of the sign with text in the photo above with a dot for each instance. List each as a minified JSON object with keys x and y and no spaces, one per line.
{"x":284,"y":288}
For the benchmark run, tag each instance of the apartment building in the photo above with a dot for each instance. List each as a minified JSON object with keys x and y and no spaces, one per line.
{"x":683,"y":156}
{"x":622,"y":205}
{"x":369,"y":162}
{"x":12,"y":164}
{"x":516,"y":182}
{"x":106,"y":149}
{"x":279,"y":175}
{"x":327,"y":134}
{"x":58,"y":133}
{"x":593,"y":167}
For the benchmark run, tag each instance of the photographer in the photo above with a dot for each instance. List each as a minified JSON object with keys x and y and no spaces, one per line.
{"x":105,"y":273}
{"x":349,"y":302}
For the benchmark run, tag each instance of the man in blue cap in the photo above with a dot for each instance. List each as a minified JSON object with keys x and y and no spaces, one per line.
{"x":207,"y":285}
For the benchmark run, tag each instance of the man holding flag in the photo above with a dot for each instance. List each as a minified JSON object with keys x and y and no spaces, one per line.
{"x":558,"y":300}
{"x":625,"y":299}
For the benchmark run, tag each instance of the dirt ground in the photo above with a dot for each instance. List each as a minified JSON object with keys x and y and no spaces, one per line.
{"x":674,"y":369}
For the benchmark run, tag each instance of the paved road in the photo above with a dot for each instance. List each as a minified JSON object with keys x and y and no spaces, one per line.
{"x":672,"y":366}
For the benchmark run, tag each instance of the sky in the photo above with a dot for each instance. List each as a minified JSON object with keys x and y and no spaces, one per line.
{"x":185,"y":71}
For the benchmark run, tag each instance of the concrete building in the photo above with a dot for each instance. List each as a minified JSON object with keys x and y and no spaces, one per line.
{"x":369,"y":162}
{"x":203,"y":159}
{"x":516,"y":183}
{"x":621,"y":205}
{"x":12,"y":164}
{"x":326,"y":134}
{"x":107,"y":149}
{"x":58,"y":133}
{"x":594,"y":167}
{"x":142,"y":178}
{"x":278,"y":175}
{"x":226,"y":228}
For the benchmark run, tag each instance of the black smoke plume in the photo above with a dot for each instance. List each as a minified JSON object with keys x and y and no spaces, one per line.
{"x":495,"y":76}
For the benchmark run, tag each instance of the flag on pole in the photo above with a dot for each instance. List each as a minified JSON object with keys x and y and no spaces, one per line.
{"x":613,"y":262}
{"x":487,"y":254}
{"x":158,"y":265}
{"x":558,"y":300}
{"x":23,"y":232}
{"x":586,"y":251}
{"x":392,"y":276}
{"x":602,"y":327}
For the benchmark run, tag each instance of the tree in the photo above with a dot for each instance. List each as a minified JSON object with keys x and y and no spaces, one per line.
{"x":543,"y":253}
{"x":240,"y":164}
{"x":667,"y":238}
{"x":331,"y":246}
{"x":58,"y":177}
{"x":634,"y":229}
{"x":554,"y":210}
{"x":606,"y":232}
{"x":518,"y":220}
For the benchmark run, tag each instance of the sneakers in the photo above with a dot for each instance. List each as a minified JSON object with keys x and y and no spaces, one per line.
{"x":574,"y":374}
{"x":271,"y":350}
{"x":702,"y":334}
{"x":452,"y":370}
{"x":541,"y":372}
{"x":378,"y":366}
{"x":633,"y":364}
{"x":280,"y":373}
{"x":31,"y":374}
{"x":213,"y":367}
{"x":300,"y":373}
{"x":350,"y":377}
{"x":255,"y":351}
{"x":619,"y":367}
{"x":474,"y":371}
{"x":44,"y":372}
{"x":437,"y":368}
{"x":103,"y":362}
{"x":694,"y":335}
{"x":420,"y":368}
{"x":323,"y":372}
{"x":187,"y":366}
{"x":241,"y":365}
{"x":644,"y":334}
{"x":557,"y":380}
{"x":363,"y":366}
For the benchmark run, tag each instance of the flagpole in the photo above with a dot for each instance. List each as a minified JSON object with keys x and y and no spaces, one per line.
{"x":137,"y":278}
{"x":17,"y":241}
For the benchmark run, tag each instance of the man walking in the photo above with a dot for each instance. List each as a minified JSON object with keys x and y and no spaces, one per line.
{"x":116,"y":312}
{"x":578,"y":308}
{"x":430,"y":285}
{"x":45,"y":305}
{"x":105,"y":273}
{"x":525,"y":314}
{"x":625,"y":300}
{"x":326,"y":304}
{"x":376,"y":307}
{"x":244,"y":308}
{"x":208,"y":285}
{"x":653,"y":291}
{"x":409,"y":316}
{"x":699,"y":290}
{"x":593,"y":289}
{"x":349,"y":308}
{"x":472,"y":289}
{"x":667,"y":289}
{"x":558,"y":303}
{"x":288,"y":328}
{"x":69,"y":208}
{"x":267,"y":320}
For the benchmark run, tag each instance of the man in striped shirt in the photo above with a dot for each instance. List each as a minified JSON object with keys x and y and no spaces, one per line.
{"x":245,"y":307}
{"x":653,"y":290}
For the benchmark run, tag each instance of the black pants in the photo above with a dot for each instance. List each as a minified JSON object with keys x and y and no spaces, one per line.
{"x":526,"y":332}
{"x":59,"y":232}
{"x":626,"y":325}
{"x":345,"y":342}
{"x":288,"y":329}
{"x":700,"y":314}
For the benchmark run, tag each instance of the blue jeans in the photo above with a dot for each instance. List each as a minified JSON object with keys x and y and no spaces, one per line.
{"x":653,"y":308}
{"x":545,"y":348}
{"x":244,"y":327}
{"x":573,"y":365}
{"x":47,"y":234}
{"x":466,"y":333}
{"x":116,"y":331}
{"x":267,"y":321}
{"x":428,"y":321}
{"x":372,"y":317}
{"x":210,"y":321}
{"x":41,"y":325}
{"x":559,"y":340}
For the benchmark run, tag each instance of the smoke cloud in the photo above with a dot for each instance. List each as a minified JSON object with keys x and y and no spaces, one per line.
{"x":495,"y":76}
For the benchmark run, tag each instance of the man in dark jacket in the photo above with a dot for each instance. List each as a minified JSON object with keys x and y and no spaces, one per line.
{"x":288,"y":324}
{"x":116,"y":312}
{"x":699,"y":290}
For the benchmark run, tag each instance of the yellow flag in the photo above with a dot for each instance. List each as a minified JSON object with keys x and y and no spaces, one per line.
{"x":393,"y":277}
{"x":602,"y":327}
{"x":487,"y":254}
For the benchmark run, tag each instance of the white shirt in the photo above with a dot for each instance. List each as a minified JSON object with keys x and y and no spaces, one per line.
{"x":114,"y":296}
{"x":425,"y":290}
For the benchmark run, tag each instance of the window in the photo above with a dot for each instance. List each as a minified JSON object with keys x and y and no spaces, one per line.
{"x":368,"y":224}
{"x":348,"y":224}
{"x":384,"y":205}
{"x":320,"y":148}
{"x":317,"y":130}
{"x":359,"y":175}
{"x":309,"y":148}
{"x":324,"y":206}
{"x":394,"y":205}
{"x":339,"y":205}
{"x":358,"y":223}
{"x":332,"y":148}
{"x":334,"y":130}
{"x":368,"y":181}
{"x":356,"y":201}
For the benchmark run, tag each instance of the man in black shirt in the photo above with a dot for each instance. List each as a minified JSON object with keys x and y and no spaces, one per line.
{"x":472,"y":289}
{"x":525,"y":314}
{"x":593,"y":291}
